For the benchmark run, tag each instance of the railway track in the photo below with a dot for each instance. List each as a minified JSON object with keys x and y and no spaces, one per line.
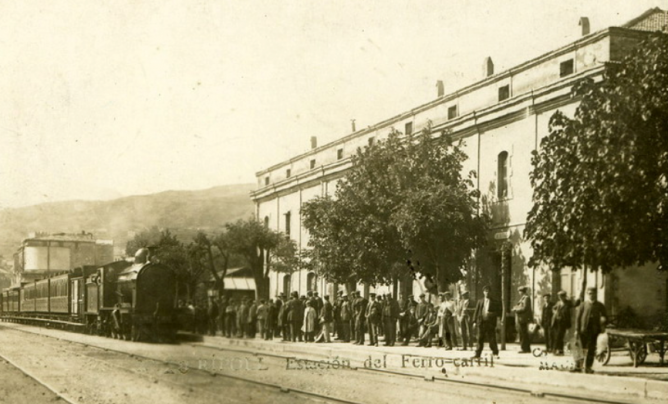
{"x":208,"y":351}
{"x":37,"y":380}
{"x":507,"y":388}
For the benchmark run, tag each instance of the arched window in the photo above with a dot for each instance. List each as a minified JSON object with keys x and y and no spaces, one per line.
{"x":286,"y":284}
{"x":266,"y":221}
{"x":502,"y":172}
{"x":311,"y":282}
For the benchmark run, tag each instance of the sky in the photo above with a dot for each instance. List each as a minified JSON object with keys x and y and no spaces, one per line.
{"x":110,"y":98}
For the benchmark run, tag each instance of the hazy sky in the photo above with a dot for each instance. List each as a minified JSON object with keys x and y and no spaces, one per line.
{"x":100,"y":99}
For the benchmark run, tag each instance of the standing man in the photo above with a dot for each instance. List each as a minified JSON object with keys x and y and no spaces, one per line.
{"x":270,"y":321}
{"x":403,"y":320}
{"x":242,"y":317}
{"x":421,"y":313}
{"x":561,"y":321}
{"x":450,"y":333}
{"x":523,"y":316}
{"x":390,"y":315}
{"x":546,"y":321}
{"x":278,"y":304}
{"x":262,"y":318}
{"x":252,"y":317}
{"x":360,"y":311}
{"x":373,"y":319}
{"x":590,"y":319}
{"x":326,"y":317}
{"x":231,"y":319}
{"x":337,"y":314}
{"x":346,"y":318}
{"x":291,"y":318}
{"x":222,"y":310}
{"x":212,"y":314}
{"x":463,"y":320}
{"x":487,"y":311}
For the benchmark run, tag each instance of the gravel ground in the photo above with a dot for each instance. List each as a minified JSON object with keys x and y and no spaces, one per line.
{"x":98,"y":376}
{"x":16,"y":387}
{"x":91,"y":375}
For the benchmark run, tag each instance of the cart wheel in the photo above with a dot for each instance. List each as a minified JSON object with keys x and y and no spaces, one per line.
{"x":638,"y":353}
{"x":603,"y":357}
{"x":642,"y":354}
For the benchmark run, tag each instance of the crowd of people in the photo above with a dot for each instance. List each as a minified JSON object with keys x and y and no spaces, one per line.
{"x":348,"y":318}
{"x":449,"y":324}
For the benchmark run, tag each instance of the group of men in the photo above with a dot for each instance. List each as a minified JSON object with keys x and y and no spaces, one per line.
{"x":555,"y":319}
{"x":449,"y":324}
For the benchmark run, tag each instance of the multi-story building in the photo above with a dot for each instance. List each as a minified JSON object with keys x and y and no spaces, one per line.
{"x":501,"y":119}
{"x":42,"y":255}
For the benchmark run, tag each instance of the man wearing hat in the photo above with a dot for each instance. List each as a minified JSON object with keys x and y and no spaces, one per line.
{"x":523,"y":316}
{"x":346,"y":317}
{"x":463,"y":320}
{"x":486,"y":313}
{"x":421,"y":313}
{"x":546,"y":321}
{"x":390,"y":316}
{"x":373,"y":319}
{"x":561,"y":321}
{"x":338,"y":301}
{"x":590,"y":319}
{"x":280,"y":309}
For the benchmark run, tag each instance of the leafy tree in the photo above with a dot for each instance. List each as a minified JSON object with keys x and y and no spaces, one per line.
{"x":404,"y":199}
{"x":257,"y":245}
{"x":601,"y":178}
{"x":142,"y":239}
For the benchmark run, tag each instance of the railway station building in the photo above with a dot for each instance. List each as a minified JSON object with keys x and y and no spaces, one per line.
{"x":501,"y":119}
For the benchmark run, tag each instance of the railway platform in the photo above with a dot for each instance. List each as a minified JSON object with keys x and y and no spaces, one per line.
{"x":543,"y":371}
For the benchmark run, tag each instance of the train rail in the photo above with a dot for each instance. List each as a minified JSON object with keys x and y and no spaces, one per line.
{"x":276,"y":387}
{"x":302,"y":392}
{"x":506,"y":388}
{"x":59,"y":395}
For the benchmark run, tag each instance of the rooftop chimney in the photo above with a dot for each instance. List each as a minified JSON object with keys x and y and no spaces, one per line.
{"x":314,"y":142}
{"x":488,"y":67}
{"x":441,"y":89}
{"x":584,"y":23}
{"x":353,"y":122}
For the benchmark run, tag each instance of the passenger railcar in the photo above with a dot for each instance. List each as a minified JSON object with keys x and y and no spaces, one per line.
{"x":130,"y":300}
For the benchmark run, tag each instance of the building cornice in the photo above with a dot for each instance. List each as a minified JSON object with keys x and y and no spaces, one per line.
{"x":504,"y":113}
{"x":586,"y":40}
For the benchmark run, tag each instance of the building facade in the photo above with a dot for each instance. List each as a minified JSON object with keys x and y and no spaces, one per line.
{"x":41,"y":255}
{"x":501,"y":119}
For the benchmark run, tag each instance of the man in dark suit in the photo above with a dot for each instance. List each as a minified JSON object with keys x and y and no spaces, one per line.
{"x":546,"y":321}
{"x":590,"y":318}
{"x":372,"y":315}
{"x":523,"y":316}
{"x":486,"y":312}
{"x":390,"y":316}
{"x":561,"y":321}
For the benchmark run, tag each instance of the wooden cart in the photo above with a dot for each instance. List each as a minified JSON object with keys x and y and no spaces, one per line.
{"x":636,"y":342}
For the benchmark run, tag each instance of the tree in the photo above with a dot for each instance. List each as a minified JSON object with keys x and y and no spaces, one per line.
{"x":403,"y":200}
{"x":143,"y":239}
{"x":600,"y":179}
{"x":182,"y":259}
{"x":259,"y":245}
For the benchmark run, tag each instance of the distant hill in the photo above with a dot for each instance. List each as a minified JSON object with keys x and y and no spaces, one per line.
{"x":184,"y":212}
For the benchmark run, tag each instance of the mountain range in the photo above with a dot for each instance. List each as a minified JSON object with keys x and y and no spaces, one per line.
{"x":183,"y":212}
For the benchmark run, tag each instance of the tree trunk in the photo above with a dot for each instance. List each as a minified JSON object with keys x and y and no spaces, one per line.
{"x":261,"y":287}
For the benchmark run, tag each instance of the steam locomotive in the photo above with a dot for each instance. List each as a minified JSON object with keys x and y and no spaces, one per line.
{"x":128,"y":300}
